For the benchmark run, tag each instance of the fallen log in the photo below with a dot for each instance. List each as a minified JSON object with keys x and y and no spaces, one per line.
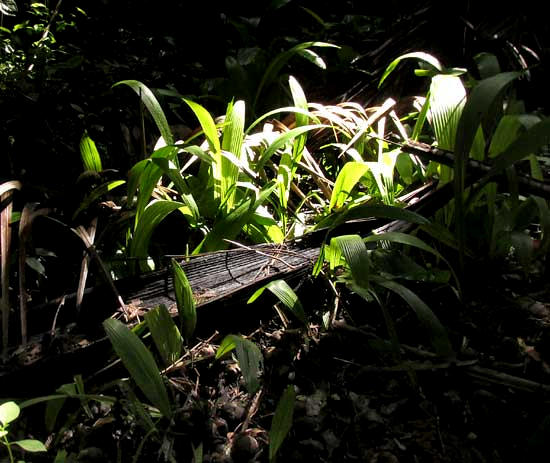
{"x":221,"y":281}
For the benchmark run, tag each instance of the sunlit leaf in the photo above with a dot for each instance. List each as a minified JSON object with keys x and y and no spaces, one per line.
{"x":9,"y":411}
{"x":89,"y":154}
{"x":432,"y":61}
{"x":153,"y":106}
{"x":348,"y":177}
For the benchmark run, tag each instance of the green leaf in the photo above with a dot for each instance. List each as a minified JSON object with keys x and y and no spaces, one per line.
{"x":140,"y":363}
{"x":527,"y":143}
{"x":348,"y":177}
{"x":437,"y":332}
{"x":355,"y":252}
{"x":89,"y":154}
{"x":410,"y":240}
{"x":97,"y":193}
{"x":165,"y":334}
{"x":280,"y":60}
{"x":230,"y":226}
{"x":249,"y":357}
{"x":208,"y":125}
{"x":282,"y":421}
{"x":153,"y":106}
{"x":487,"y":64}
{"x":483,"y":97}
{"x":232,"y":142}
{"x":416,"y":55}
{"x":286,"y":295}
{"x":31,"y":445}
{"x":184,"y":301}
{"x":226,"y":346}
{"x":283,"y":139}
{"x":381,"y":211}
{"x":9,"y":411}
{"x":151,"y":217}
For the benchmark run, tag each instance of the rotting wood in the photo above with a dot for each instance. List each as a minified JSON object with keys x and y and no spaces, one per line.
{"x":222,"y":281}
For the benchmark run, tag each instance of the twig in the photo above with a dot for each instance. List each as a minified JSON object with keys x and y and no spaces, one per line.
{"x":248,"y":248}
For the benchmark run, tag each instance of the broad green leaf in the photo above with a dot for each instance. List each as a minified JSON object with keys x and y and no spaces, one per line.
{"x":505,"y":133}
{"x":527,"y":143}
{"x":355,"y":252}
{"x":89,"y":154}
{"x":165,"y":334}
{"x":447,"y":98}
{"x":153,"y":214}
{"x":286,"y":295}
{"x":282,"y":421}
{"x":140,"y":363}
{"x":416,"y":55}
{"x":184,"y":301}
{"x":249,"y":357}
{"x":487,"y":64}
{"x":348,"y":177}
{"x":31,"y":445}
{"x":153,"y":106}
{"x":437,"y":332}
{"x":9,"y":411}
{"x":208,"y":125}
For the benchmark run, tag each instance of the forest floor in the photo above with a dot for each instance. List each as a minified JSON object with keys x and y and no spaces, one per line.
{"x":357,"y":399}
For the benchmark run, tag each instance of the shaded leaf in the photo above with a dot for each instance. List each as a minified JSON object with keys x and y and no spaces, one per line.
{"x":184,"y":301}
{"x":140,"y":363}
{"x":286,"y":295}
{"x":31,"y":445}
{"x":153,"y":106}
{"x":165,"y":334}
{"x":282,"y":421}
